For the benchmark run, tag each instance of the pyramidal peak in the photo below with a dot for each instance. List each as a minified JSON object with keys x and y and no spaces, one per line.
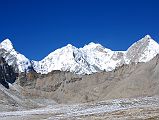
{"x":145,"y":42}
{"x":143,"y":50}
{"x":6,"y":44}
{"x":149,"y":41}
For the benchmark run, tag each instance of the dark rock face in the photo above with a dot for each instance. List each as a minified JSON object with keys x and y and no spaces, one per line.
{"x":7,"y":73}
{"x":28,"y":79}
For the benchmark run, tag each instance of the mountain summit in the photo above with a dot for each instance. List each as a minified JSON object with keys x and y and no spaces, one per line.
{"x":14,"y":58}
{"x":89,"y":59}
{"x":142,"y":50}
{"x":7,"y":45}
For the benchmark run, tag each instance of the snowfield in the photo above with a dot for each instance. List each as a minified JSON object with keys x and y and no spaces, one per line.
{"x":133,"y":108}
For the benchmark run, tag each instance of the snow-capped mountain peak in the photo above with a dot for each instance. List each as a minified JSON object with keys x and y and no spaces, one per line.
{"x":147,"y":36}
{"x":69,"y":46}
{"x":14,"y":58}
{"x":6,"y":44}
{"x":92,"y":45}
{"x":95,"y":47}
{"x":143,"y":50}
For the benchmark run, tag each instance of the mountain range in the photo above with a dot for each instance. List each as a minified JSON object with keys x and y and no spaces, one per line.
{"x":87,"y":60}
{"x":124,"y":84}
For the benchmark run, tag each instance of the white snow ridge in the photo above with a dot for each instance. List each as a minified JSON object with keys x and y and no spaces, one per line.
{"x":87,"y":60}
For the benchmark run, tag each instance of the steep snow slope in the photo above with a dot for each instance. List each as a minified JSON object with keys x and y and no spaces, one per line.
{"x":13,"y":57}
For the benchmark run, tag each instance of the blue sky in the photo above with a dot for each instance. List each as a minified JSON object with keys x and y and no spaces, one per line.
{"x":37,"y":27}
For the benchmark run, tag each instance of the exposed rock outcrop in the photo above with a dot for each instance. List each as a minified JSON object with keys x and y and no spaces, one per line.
{"x":7,"y":73}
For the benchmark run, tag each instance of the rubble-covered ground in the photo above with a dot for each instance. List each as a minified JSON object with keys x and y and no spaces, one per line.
{"x":146,"y":108}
